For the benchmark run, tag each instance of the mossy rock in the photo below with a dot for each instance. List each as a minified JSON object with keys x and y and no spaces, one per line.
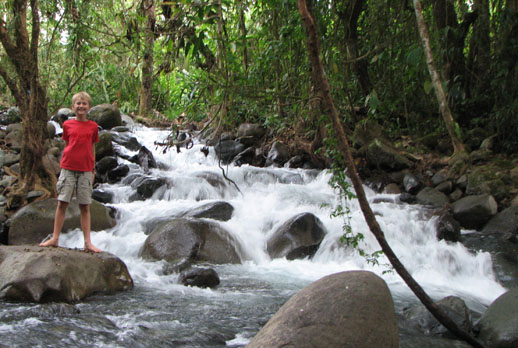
{"x":492,"y":179}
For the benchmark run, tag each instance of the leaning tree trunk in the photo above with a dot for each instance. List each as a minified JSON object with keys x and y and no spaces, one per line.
{"x":145,"y":107}
{"x":343,"y":144}
{"x":30,"y":97}
{"x":458,"y":146}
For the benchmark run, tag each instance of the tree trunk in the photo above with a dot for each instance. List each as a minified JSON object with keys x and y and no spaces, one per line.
{"x":343,"y":145}
{"x":452,"y":45}
{"x":146,"y":96}
{"x":349,"y":18}
{"x":479,"y":57}
{"x":447,"y":116}
{"x":31,"y":98}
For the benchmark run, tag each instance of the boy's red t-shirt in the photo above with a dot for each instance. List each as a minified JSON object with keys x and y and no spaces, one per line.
{"x":80,"y":137}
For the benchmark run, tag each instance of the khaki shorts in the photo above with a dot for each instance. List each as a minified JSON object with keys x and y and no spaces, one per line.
{"x":79,"y":182}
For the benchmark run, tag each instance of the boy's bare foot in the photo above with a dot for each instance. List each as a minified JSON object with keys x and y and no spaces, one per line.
{"x":50,"y":242}
{"x":92,"y":248}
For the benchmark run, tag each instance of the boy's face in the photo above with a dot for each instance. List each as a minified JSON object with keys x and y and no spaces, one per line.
{"x":81,"y":107}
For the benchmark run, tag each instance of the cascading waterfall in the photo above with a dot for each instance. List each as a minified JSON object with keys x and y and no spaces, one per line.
{"x":161,"y":312}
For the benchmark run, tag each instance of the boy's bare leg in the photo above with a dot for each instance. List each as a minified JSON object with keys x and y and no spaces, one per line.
{"x":59,"y":219}
{"x":85,"y":226}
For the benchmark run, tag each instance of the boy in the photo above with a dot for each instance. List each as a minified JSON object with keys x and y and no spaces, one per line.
{"x":77,"y":169}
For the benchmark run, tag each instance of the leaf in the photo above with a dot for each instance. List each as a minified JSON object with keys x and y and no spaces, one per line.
{"x":374,"y":101}
{"x":428,"y":86}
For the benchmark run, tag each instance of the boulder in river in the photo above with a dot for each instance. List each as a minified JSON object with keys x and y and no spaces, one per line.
{"x":298,"y":237}
{"x":44,"y":274}
{"x":200,"y":277}
{"x":498,"y":326}
{"x":474,"y":211}
{"x":191,"y":239}
{"x":226,"y":150}
{"x":420,"y":319}
{"x":348,"y":309}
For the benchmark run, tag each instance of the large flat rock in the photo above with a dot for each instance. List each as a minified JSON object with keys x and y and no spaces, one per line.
{"x":45,"y":274}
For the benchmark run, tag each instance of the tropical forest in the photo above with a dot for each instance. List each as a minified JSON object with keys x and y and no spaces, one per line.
{"x":268,"y":173}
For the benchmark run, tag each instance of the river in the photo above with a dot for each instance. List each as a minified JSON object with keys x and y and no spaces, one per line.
{"x":159,"y":312}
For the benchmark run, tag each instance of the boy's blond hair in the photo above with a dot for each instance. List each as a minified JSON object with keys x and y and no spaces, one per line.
{"x":82,"y":95}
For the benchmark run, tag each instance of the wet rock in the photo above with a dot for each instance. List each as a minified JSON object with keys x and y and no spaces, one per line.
{"x":120,"y":129}
{"x":200,"y":277}
{"x":504,"y":224}
{"x":411,"y":340}
{"x":474,"y":211}
{"x":432,"y":197}
{"x":106,"y":115}
{"x":105,"y":164}
{"x":406,"y":197}
{"x":245,"y":157}
{"x":131,"y":178}
{"x":145,"y":159}
{"x":295,"y":162}
{"x":32,"y":223}
{"x":102,"y":196}
{"x":448,"y":228}
{"x":298,"y":237}
{"x":146,"y":187}
{"x":420,"y":319}
{"x":215,"y":180}
{"x":505,"y":266}
{"x":177,"y":267}
{"x":348,"y":309}
{"x":412,"y":184}
{"x":104,"y":147}
{"x":37,"y":274}
{"x":118,"y":173}
{"x":497,"y":327}
{"x":126,"y":140}
{"x":221,"y":211}
{"x":490,"y":243}
{"x":192,"y":239}
{"x":278,"y":154}
{"x":228,"y":149}
{"x":248,"y":141}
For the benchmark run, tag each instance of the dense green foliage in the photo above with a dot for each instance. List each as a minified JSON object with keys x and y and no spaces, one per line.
{"x":237,"y":61}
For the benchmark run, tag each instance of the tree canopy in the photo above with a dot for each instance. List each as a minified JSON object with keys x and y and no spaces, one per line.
{"x":245,"y":61}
